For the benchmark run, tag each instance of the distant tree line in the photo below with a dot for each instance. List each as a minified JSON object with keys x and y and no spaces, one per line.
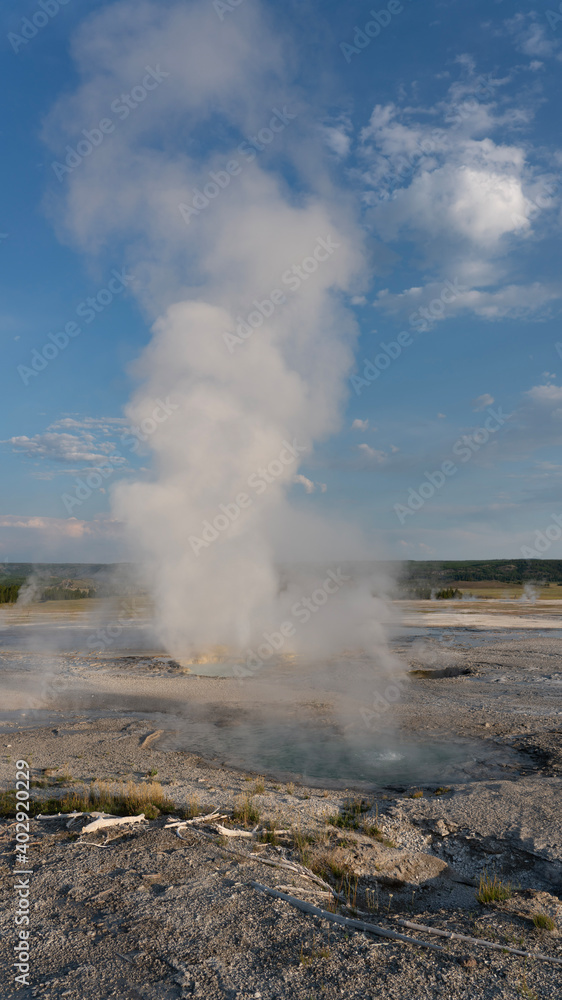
{"x":9,"y":592}
{"x":65,"y":594}
{"x":437,"y":572}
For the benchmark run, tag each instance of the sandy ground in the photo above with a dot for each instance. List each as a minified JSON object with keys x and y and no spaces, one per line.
{"x":138,"y":912}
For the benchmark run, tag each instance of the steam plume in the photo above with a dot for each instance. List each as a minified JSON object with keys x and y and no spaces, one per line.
{"x":247,"y":382}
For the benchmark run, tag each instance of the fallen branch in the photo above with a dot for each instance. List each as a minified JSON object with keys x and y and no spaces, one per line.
{"x":72,"y":815}
{"x":290,"y":866}
{"x":101,"y":824}
{"x":452,"y":935}
{"x":303,"y":888}
{"x":196,"y":819}
{"x":335,"y":918}
{"x":226,"y":831}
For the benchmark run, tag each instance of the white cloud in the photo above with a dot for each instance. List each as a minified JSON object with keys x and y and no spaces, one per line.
{"x":530,"y":36}
{"x":107,"y":425}
{"x":41,"y":539}
{"x":545,"y":394}
{"x":90,"y":444}
{"x":61,"y":447}
{"x":462,"y":196}
{"x":510,"y":302}
{"x":481,"y":402}
{"x":360,"y":425}
{"x":337,"y":138}
{"x":371,"y":454}
{"x":308,"y":484}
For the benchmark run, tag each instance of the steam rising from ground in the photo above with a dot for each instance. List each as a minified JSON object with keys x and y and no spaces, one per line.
{"x":239,"y":414}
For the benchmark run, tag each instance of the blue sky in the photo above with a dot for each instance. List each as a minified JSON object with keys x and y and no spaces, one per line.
{"x":440,"y":136}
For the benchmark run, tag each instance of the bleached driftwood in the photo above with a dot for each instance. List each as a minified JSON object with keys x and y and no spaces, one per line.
{"x":298,"y":888}
{"x":290,"y":866}
{"x":335,"y":918}
{"x":176,"y":823}
{"x":452,"y":935}
{"x":227,"y":831}
{"x":103,"y":823}
{"x":72,"y":815}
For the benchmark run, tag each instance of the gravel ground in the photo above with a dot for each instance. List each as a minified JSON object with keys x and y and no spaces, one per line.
{"x":144,"y":911}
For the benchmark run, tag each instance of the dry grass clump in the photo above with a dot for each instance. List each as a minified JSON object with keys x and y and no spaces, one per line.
{"x":127,"y":799}
{"x":351,"y":818}
{"x":374,"y":831}
{"x":350,"y":813}
{"x":493,"y":890}
{"x":543,"y":922}
{"x":330,"y":864}
{"x":246,"y":812}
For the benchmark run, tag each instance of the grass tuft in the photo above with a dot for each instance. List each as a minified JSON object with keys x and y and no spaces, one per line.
{"x":125,"y":800}
{"x":543,"y":922}
{"x":493,"y":890}
{"x":246,"y":812}
{"x":349,"y":814}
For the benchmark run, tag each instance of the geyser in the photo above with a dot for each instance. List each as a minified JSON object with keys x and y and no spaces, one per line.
{"x":253,"y":343}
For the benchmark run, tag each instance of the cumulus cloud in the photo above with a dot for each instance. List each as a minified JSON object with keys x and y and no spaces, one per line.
{"x":360,"y":425}
{"x":61,"y":447}
{"x":337,"y":138}
{"x":530,"y":35}
{"x":371,"y":455}
{"x":309,"y":485}
{"x":450,"y":182}
{"x":481,"y":402}
{"x":103,"y":425}
{"x":42,"y":539}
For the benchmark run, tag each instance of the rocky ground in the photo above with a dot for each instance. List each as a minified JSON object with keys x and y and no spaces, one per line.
{"x":159,"y":912}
